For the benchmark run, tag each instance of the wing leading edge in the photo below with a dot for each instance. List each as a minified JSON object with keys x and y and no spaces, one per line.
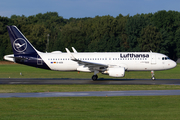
{"x":91,"y":65}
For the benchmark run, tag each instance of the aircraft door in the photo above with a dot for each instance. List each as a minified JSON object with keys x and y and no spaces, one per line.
{"x":153,"y":59}
{"x":39,"y":60}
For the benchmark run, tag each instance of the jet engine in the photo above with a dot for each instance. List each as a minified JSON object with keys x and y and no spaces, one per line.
{"x":116,"y":72}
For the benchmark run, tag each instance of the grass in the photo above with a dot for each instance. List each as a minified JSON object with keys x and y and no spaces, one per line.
{"x":81,"y":108}
{"x":13,"y":71}
{"x":72,"y":88}
{"x":100,"y":108}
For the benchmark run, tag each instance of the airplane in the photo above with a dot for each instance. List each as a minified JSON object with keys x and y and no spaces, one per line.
{"x":113,"y":64}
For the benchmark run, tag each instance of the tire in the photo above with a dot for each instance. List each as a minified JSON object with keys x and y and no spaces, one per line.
{"x":153,"y":78}
{"x":94,"y":77}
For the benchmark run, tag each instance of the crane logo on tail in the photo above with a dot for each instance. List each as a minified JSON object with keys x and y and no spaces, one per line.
{"x":20,"y":45}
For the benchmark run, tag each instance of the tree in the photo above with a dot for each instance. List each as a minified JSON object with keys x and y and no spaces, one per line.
{"x":177,"y":39}
{"x":150,"y":39}
{"x":134,"y":26}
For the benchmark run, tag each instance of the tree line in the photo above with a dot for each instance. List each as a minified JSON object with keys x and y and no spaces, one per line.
{"x":158,"y":32}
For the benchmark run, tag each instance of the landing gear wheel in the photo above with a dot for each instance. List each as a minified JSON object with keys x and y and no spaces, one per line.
{"x":153,"y":78}
{"x":94,"y":77}
{"x":152,"y":74}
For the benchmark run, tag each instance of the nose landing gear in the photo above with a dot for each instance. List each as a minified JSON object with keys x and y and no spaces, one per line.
{"x":152,"y":75}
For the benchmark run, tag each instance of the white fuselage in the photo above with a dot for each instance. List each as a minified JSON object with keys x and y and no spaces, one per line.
{"x":131,"y":61}
{"x":113,"y":64}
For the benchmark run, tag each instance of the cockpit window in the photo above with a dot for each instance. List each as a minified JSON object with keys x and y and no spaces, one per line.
{"x":165,"y":58}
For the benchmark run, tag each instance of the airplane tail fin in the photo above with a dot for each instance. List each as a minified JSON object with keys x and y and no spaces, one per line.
{"x":20,"y":44}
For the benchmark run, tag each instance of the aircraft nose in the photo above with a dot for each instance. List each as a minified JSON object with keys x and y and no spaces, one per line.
{"x":173,"y":64}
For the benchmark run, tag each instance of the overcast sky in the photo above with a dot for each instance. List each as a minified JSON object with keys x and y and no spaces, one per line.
{"x":85,"y":8}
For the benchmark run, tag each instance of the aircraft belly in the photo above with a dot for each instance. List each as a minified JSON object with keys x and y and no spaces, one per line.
{"x":64,"y":67}
{"x":139,"y":66}
{"x":157,"y":67}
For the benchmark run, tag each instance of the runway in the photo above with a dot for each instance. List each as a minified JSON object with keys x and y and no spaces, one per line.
{"x":89,"y":81}
{"x":100,"y":81}
{"x":96,"y":93}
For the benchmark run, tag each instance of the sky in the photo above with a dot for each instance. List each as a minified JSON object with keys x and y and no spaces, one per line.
{"x":85,"y":8}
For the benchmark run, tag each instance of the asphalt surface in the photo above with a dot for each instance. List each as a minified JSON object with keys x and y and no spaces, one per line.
{"x":96,"y":93}
{"x":88,"y":81}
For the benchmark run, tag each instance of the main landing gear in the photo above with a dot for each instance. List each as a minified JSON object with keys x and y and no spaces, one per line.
{"x":95,"y":77}
{"x":152,"y":75}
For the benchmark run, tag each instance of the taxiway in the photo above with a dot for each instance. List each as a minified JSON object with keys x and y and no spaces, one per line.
{"x":89,"y":81}
{"x":94,"y":93}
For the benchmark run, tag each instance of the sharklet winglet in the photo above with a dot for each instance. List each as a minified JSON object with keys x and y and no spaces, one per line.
{"x":74,"y":50}
{"x":69,"y":53}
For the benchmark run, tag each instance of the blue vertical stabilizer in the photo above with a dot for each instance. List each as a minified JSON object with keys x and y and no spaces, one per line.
{"x":24,"y":52}
{"x":19,"y":42}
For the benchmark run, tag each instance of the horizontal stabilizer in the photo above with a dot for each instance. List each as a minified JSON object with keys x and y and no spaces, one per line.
{"x":9,"y":57}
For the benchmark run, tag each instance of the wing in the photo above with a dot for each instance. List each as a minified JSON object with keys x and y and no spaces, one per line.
{"x":90,"y":65}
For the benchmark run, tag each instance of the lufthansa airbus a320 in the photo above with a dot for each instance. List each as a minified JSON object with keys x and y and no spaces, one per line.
{"x":113,"y":64}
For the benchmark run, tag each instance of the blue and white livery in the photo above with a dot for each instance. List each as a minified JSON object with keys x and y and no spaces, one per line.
{"x":113,"y":64}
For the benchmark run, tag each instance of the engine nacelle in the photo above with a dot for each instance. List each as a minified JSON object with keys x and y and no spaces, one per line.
{"x":116,"y":72}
